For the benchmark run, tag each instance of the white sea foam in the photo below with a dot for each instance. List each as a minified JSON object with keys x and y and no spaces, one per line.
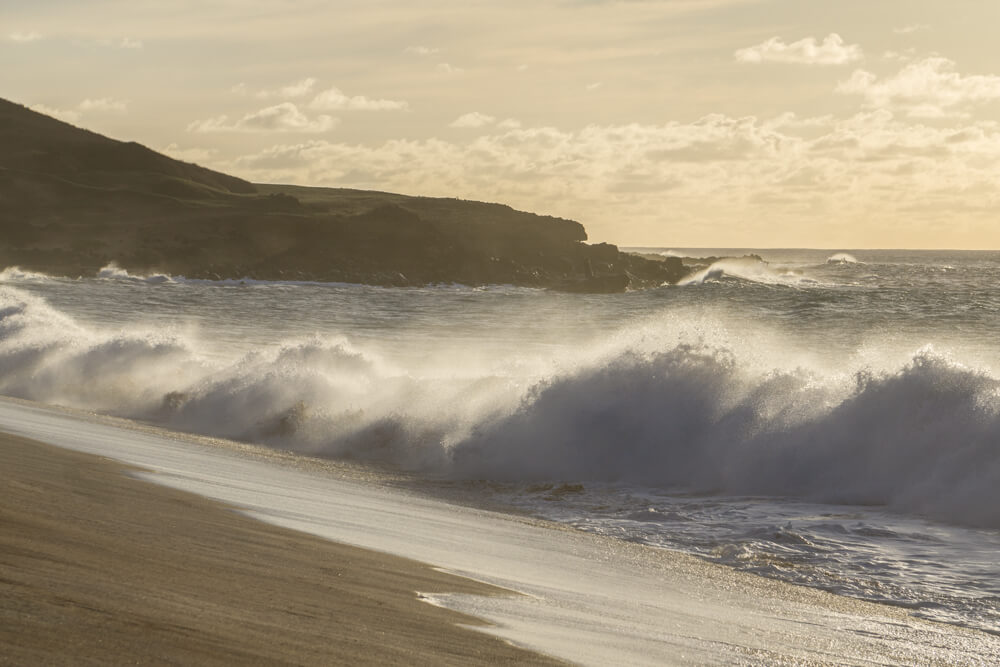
{"x":113,"y":272}
{"x":648,"y":406}
{"x":750,"y":269}
{"x":13,"y":274}
{"x":923,"y":439}
{"x":842,"y":258}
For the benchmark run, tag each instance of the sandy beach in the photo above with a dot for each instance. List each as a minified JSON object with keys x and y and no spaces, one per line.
{"x":97,"y":567}
{"x":107,"y":558}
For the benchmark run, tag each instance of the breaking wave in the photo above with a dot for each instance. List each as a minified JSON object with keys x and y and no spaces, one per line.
{"x":749,"y":269}
{"x":842,"y":258}
{"x":13,"y":274}
{"x":114,"y":272}
{"x":921,"y":437}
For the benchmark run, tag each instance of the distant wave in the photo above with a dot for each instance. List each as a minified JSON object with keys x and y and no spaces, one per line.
{"x":113,"y":272}
{"x":750,"y":269}
{"x":17,"y":274}
{"x":921,"y":437}
{"x":842,"y":258}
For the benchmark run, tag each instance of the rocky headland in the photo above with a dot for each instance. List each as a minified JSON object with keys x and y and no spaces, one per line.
{"x":73,"y":201}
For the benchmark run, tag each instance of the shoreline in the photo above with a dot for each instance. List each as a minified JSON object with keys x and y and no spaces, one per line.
{"x":98,"y":565}
{"x":584,"y":598}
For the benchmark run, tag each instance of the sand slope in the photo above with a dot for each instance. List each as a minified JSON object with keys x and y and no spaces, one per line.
{"x":100,"y":568}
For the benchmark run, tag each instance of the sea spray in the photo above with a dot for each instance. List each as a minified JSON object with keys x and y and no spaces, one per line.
{"x":656,"y":406}
{"x":924,"y":439}
{"x":750,"y":269}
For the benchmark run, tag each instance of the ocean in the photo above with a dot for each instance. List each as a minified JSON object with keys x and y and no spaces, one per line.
{"x":827,"y":419}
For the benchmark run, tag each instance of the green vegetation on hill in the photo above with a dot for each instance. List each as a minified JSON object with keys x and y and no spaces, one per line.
{"x":71,"y":201}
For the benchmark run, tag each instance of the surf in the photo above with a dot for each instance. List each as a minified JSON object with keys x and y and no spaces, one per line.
{"x":671,"y":409}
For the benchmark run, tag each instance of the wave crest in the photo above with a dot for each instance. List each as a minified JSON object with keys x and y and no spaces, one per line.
{"x":922,"y":437}
{"x":748,"y":269}
{"x":842,"y":258}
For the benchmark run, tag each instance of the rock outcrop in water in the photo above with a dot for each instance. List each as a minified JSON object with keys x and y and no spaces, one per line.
{"x":71,"y":201}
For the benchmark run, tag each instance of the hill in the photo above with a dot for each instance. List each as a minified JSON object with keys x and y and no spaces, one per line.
{"x":71,"y":201}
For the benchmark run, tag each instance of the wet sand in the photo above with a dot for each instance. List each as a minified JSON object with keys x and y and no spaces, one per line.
{"x":99,"y":568}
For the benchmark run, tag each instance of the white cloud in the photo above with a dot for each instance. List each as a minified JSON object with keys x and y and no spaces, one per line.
{"x":284,"y":117}
{"x":100,"y":105}
{"x":445,"y":68}
{"x":421,"y":50}
{"x":299,"y":88}
{"x":900,"y":56}
{"x":910,"y":29}
{"x":831,"y":51}
{"x":594,"y":86}
{"x":123,"y":43}
{"x":104,"y":104}
{"x":67,"y":115}
{"x":710,"y":172}
{"x":929,"y":88}
{"x":189,"y":154}
{"x":334,"y":99}
{"x":473,"y":119}
{"x":23,"y":37}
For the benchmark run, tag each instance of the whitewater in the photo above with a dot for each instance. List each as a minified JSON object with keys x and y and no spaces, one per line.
{"x":830,"y":419}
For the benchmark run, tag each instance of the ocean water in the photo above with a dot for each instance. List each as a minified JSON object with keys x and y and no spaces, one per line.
{"x":830,"y":419}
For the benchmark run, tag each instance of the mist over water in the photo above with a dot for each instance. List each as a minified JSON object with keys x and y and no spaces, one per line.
{"x":804,"y":387}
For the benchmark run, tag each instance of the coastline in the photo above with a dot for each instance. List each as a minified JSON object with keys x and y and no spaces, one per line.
{"x":98,"y":566}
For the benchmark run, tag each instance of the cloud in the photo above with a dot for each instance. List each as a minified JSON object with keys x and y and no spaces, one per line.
{"x":715,"y":171}
{"x":24,"y":37}
{"x":104,"y":104}
{"x":333,"y":99}
{"x":445,"y":68}
{"x":831,"y":51}
{"x":473,"y":119}
{"x":929,"y":88}
{"x":910,"y":29}
{"x":421,"y":50}
{"x":67,"y":115}
{"x":590,"y":87}
{"x":189,"y":154}
{"x":284,"y":117}
{"x":899,"y":56}
{"x":100,"y":105}
{"x":123,"y":43}
{"x":299,"y":88}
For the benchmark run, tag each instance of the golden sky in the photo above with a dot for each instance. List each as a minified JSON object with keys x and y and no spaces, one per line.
{"x":725,"y":123}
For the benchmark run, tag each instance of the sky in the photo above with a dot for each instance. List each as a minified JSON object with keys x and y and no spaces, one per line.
{"x":674,"y":123}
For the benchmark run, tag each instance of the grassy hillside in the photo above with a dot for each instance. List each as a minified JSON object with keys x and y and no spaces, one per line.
{"x":71,"y":201}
